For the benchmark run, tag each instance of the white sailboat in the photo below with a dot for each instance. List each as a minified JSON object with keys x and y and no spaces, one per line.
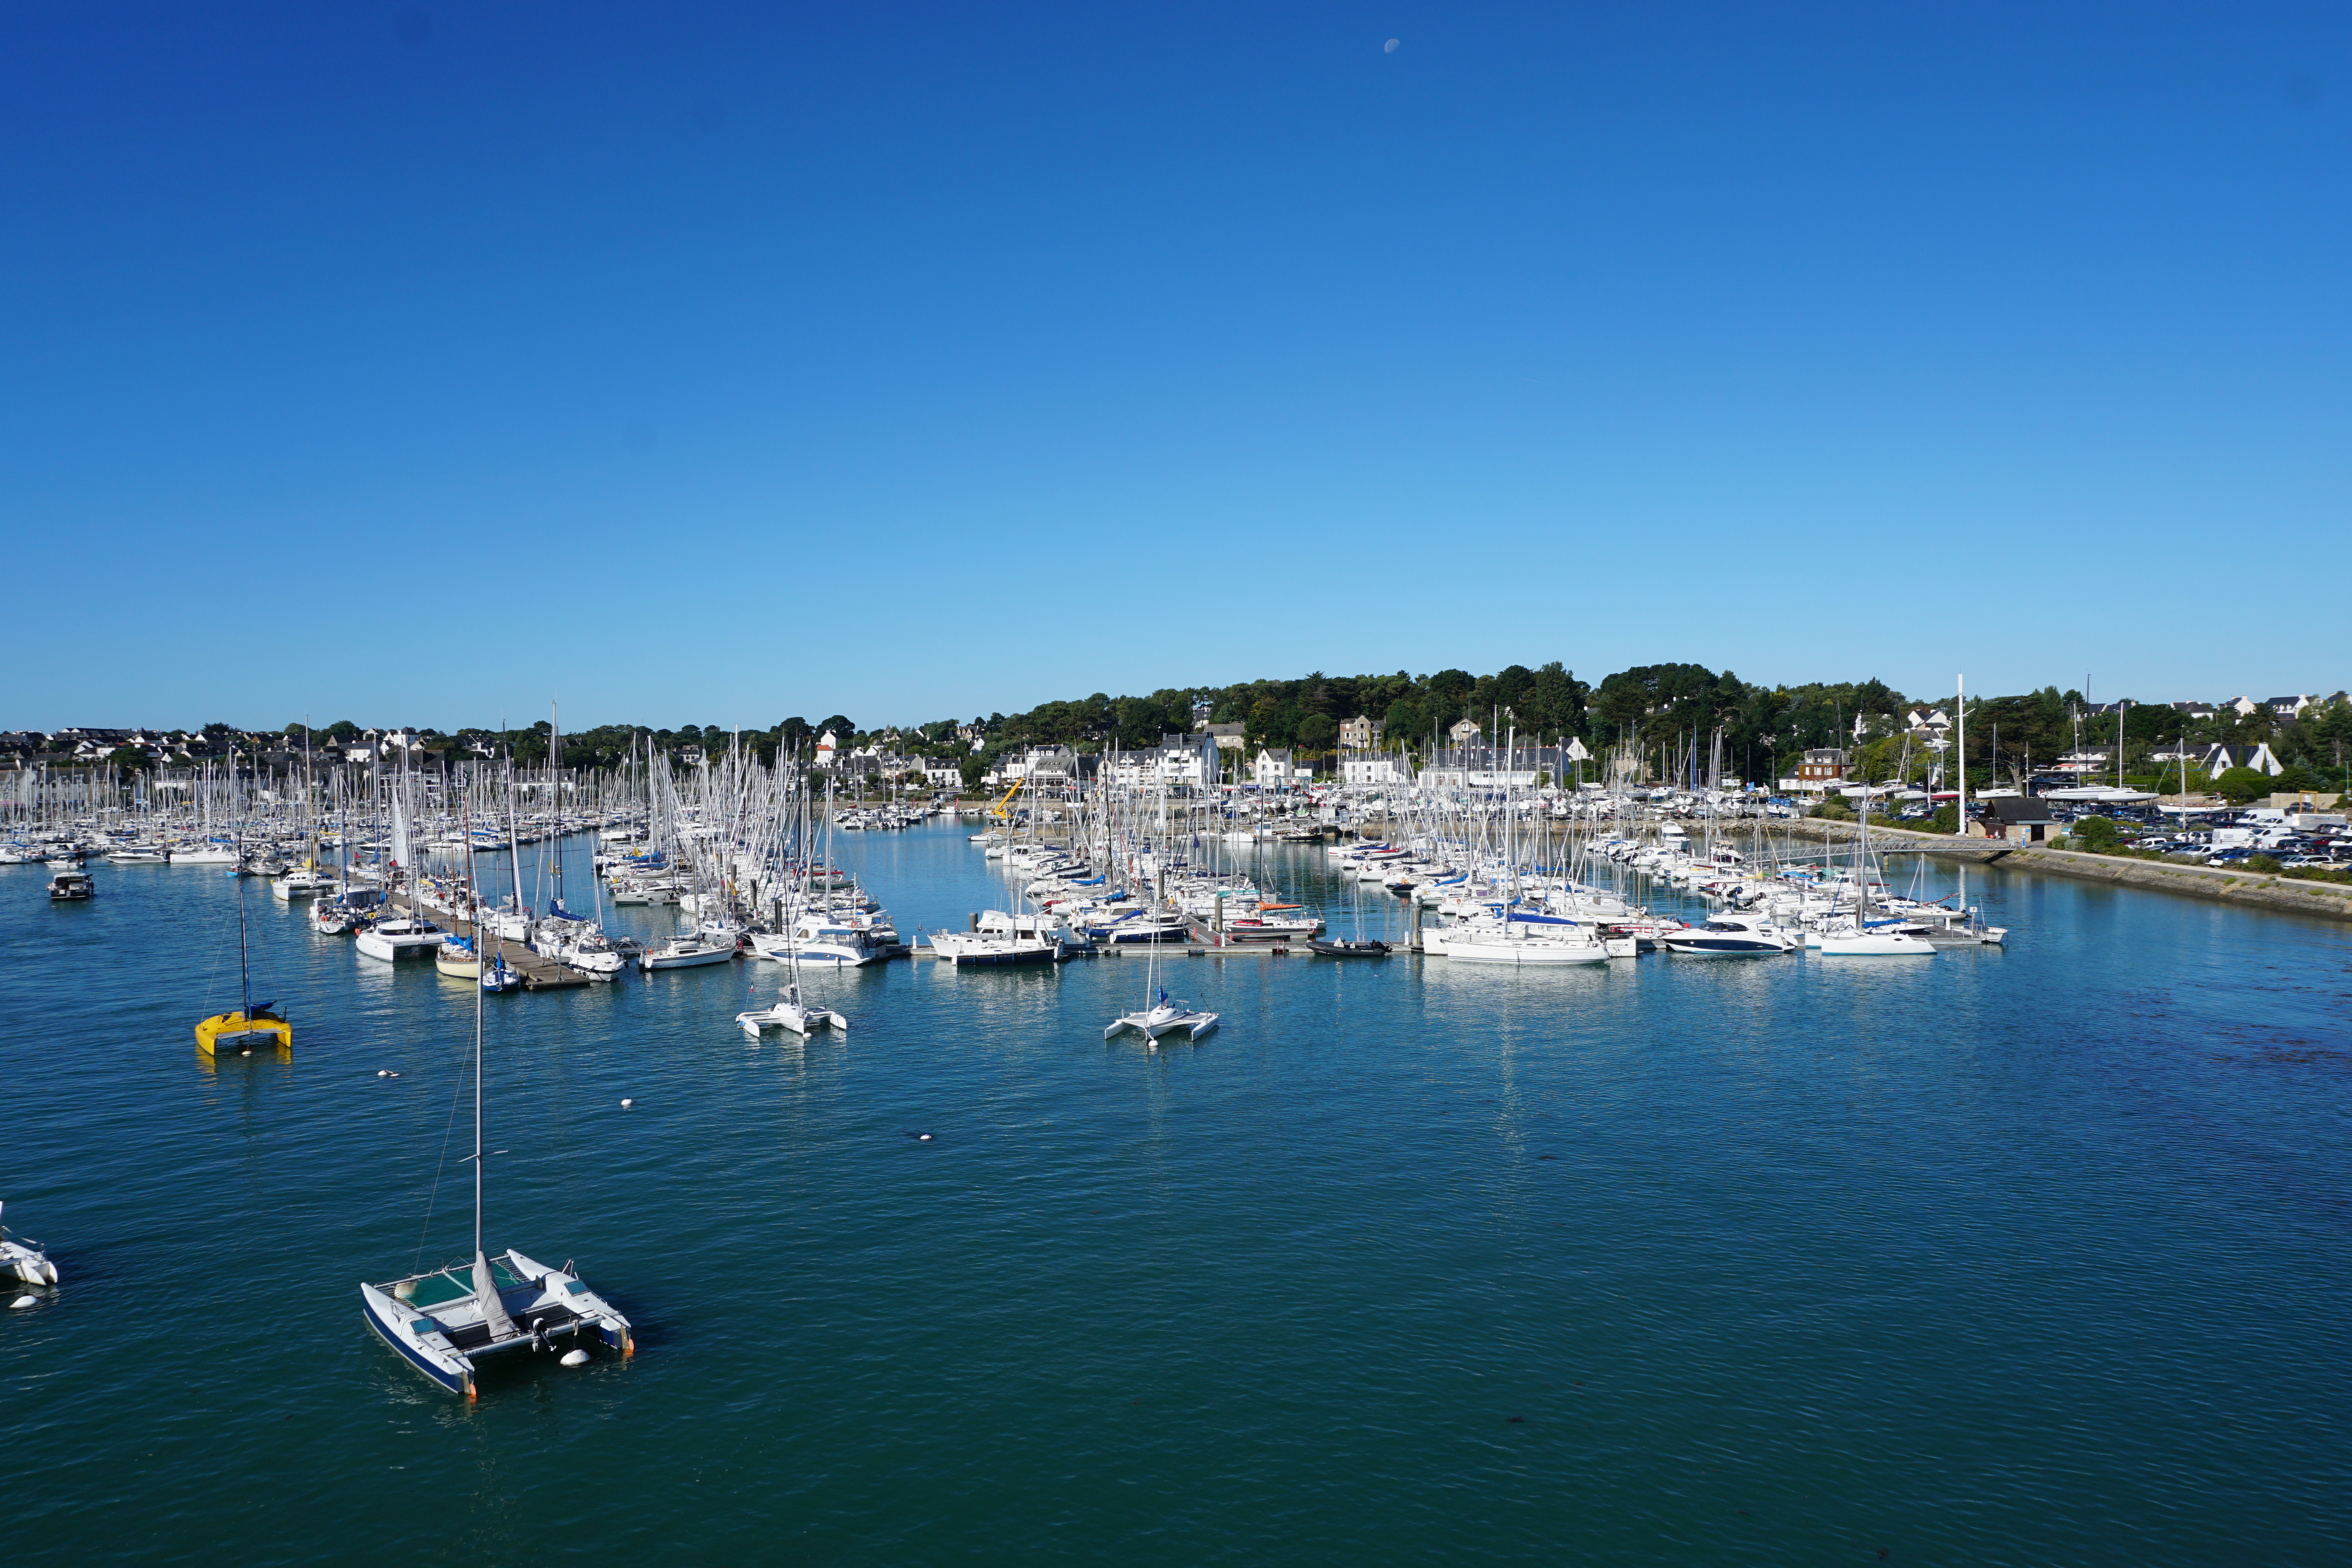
{"x":791,"y":1013}
{"x":445,"y":1320}
{"x":1160,"y":1016}
{"x":1861,"y":940}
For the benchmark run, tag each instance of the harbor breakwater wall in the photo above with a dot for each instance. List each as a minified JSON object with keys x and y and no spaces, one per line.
{"x":2327,"y":900}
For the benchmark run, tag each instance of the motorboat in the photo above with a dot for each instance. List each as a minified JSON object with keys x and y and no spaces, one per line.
{"x":26,"y":1258}
{"x":302,"y":882}
{"x":815,"y":939}
{"x":71,"y":887}
{"x":401,"y":937}
{"x":212,"y":854}
{"x":499,"y":976}
{"x":347,"y":911}
{"x":789,"y":1012}
{"x":1731,"y":936}
{"x":1349,"y":949}
{"x":971,"y":950}
{"x":1261,"y":927}
{"x":685,"y":951}
{"x":138,"y":854}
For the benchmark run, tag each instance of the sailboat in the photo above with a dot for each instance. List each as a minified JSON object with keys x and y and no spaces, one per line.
{"x":249,"y":1025}
{"x":789,"y":1012}
{"x":1861,"y":941}
{"x":1160,"y":1016}
{"x":445,"y":1320}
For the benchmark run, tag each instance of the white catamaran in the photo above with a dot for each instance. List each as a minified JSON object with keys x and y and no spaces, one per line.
{"x":445,"y":1321}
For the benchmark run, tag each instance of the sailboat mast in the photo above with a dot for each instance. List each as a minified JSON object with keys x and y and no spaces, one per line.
{"x":478,"y":1111}
{"x":244,"y":969}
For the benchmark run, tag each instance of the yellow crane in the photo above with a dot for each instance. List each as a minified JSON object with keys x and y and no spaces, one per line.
{"x":998,"y":810}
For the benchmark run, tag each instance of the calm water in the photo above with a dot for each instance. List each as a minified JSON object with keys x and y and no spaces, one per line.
{"x":2025,"y":1257}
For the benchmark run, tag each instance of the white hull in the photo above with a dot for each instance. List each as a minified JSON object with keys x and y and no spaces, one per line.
{"x":392,"y":949}
{"x":1525,"y":954}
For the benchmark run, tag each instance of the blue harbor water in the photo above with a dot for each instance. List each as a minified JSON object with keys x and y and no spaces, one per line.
{"x":2035,"y":1256}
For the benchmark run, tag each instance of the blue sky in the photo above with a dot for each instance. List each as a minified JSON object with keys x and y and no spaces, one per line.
{"x":707,"y":364}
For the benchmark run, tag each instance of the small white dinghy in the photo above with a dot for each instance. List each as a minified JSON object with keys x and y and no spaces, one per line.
{"x":25,"y":1260}
{"x":789,"y":1012}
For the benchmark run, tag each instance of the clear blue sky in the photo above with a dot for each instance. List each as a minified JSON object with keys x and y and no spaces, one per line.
{"x":707,"y":364}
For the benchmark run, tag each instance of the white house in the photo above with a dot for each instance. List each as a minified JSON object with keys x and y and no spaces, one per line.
{"x":826,"y":745}
{"x":2258,"y":757}
{"x":1274,"y":769}
{"x":1464,"y":732}
{"x":1382,"y":767}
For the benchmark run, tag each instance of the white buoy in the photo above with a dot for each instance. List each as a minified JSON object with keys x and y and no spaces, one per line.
{"x":576,"y":1358}
{"x":923,"y":1137}
{"x":626,"y":1104}
{"x":26,"y":1302}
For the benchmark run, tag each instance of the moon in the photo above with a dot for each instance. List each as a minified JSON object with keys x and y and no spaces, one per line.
{"x":1389,"y":47}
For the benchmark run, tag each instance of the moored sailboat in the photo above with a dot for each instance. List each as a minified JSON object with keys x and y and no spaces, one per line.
{"x":249,"y":1025}
{"x":443,"y":1321}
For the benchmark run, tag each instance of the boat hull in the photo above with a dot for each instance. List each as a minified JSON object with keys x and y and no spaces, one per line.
{"x":1525,"y":955}
{"x":651,"y":961}
{"x":235,"y":1031}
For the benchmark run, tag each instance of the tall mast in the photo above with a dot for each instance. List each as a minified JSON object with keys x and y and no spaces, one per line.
{"x":465,"y":820}
{"x":244,"y":970}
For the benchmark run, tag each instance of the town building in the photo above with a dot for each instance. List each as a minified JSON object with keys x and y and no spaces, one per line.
{"x":1819,"y":767}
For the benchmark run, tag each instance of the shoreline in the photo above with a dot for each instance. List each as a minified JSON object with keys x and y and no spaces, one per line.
{"x":2325,"y":899}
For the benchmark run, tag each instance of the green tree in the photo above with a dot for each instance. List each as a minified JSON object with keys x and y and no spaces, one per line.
{"x":975,"y":768}
{"x":2097,"y":834}
{"x":2296,"y":777}
{"x":2239,"y":784}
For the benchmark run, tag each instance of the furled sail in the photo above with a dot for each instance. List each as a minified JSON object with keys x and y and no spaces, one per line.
{"x":494,"y":1311}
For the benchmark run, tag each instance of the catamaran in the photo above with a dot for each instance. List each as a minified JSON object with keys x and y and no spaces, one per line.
{"x":444,"y":1321}
{"x":25,"y":1259}
{"x":249,"y":1026}
{"x":1160,"y":1016}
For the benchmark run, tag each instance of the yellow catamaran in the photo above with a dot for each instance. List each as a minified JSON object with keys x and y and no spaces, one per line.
{"x":249,"y":1026}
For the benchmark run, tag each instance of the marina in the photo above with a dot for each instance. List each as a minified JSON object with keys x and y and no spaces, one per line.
{"x":1518,"y":1129}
